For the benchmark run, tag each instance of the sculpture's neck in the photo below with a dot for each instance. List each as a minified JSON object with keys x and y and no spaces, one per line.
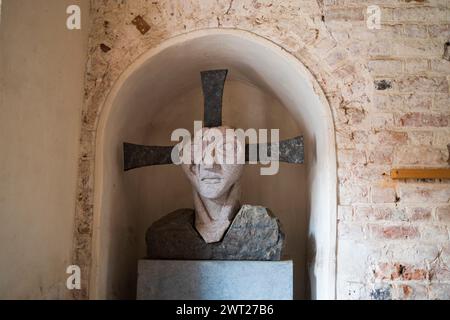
{"x":214,"y":216}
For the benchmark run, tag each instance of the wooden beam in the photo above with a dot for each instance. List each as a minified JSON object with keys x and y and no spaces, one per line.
{"x":442,"y":173}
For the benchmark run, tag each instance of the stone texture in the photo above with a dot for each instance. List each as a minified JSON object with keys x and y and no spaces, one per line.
{"x":254,"y":234}
{"x":214,"y":280}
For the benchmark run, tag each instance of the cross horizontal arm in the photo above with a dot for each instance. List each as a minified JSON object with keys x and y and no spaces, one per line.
{"x":290,"y":150}
{"x":137,"y":156}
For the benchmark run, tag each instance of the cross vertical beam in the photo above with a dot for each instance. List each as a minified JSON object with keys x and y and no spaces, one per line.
{"x":213,"y":82}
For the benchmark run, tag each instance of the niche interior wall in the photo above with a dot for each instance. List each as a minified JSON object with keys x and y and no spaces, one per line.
{"x":256,"y":96}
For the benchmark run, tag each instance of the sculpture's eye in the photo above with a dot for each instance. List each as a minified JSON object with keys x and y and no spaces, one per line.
{"x":240,"y":152}
{"x":224,"y":153}
{"x":229,"y":147}
{"x":197,"y":153}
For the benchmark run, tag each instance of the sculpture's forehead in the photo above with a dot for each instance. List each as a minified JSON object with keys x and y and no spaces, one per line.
{"x":222,"y":130}
{"x":228,"y":134}
{"x":221,"y":140}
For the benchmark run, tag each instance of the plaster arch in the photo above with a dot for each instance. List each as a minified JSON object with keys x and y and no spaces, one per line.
{"x":254,"y":60}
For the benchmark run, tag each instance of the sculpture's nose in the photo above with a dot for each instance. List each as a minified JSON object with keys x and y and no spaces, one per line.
{"x":210,"y":167}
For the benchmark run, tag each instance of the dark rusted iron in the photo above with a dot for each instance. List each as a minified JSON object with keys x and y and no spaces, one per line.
{"x":213,"y":82}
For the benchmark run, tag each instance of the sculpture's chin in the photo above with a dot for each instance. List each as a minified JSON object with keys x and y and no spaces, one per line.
{"x":211,"y":191}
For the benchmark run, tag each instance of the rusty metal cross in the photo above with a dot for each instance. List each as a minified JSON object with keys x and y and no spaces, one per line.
{"x":213,"y":81}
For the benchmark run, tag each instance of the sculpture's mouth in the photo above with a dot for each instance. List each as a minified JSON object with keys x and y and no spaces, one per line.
{"x":211,"y":180}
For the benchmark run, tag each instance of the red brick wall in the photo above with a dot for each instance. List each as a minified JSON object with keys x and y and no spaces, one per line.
{"x":394,"y":235}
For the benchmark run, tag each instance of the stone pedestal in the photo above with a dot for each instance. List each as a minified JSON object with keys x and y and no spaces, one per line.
{"x":214,"y":280}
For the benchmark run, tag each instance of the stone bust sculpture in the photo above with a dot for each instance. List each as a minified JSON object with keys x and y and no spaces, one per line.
{"x":219,"y":227}
{"x":216,"y":190}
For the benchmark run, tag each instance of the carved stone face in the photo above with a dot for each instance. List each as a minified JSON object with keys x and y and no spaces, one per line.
{"x":213,"y":178}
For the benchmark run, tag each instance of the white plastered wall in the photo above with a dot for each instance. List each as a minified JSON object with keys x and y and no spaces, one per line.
{"x":42,"y":67}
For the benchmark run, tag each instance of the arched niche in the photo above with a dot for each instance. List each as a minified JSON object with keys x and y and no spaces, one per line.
{"x":161,"y":91}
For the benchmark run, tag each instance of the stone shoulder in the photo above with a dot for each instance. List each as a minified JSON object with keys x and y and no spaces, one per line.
{"x":175,"y":217}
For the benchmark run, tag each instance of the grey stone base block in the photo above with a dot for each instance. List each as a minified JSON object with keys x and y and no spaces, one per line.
{"x":214,"y":280}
